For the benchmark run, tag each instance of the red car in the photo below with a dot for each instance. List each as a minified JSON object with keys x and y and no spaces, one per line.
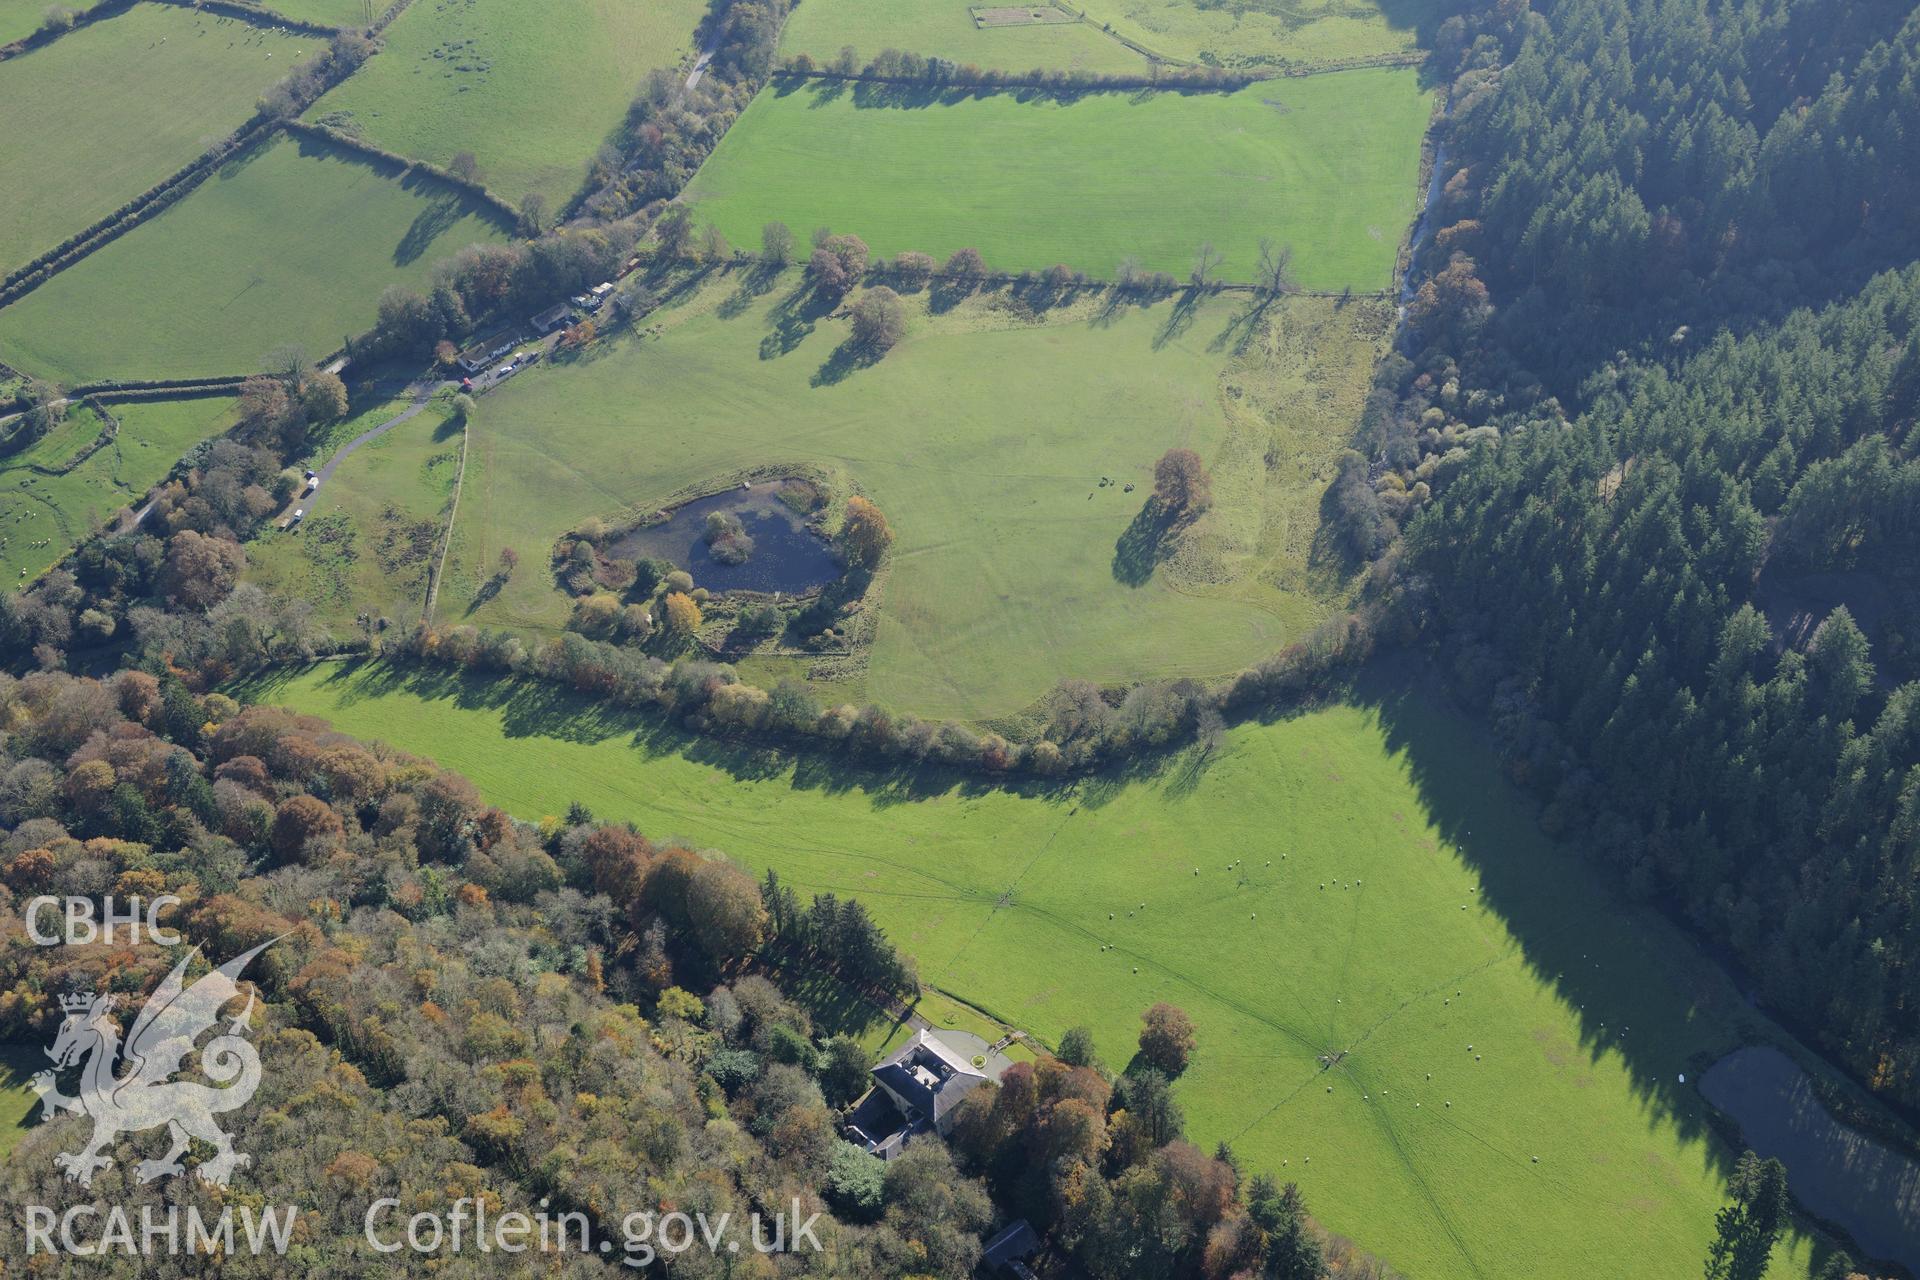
{"x":466,"y":384}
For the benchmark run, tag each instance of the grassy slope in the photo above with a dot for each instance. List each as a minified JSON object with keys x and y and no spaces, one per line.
{"x":291,"y":243}
{"x":531,"y":89}
{"x":1003,"y":574}
{"x":945,"y":29}
{"x":19,"y":18}
{"x":17,"y":1104}
{"x":369,"y":535}
{"x":100,"y":115}
{"x":61,"y":509}
{"x":337,"y":13}
{"x":1265,"y":33}
{"x":1446,"y":921}
{"x":1326,"y":164}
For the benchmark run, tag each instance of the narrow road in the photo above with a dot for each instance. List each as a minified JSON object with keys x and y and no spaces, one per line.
{"x":700,"y":63}
{"x":61,"y":403}
{"x":422,"y":393}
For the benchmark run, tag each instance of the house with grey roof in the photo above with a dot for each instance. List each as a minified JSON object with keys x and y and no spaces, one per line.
{"x":917,"y":1090}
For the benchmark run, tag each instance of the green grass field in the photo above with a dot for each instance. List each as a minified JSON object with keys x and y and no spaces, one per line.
{"x":18,"y":1062}
{"x":1267,"y":33}
{"x":1446,"y":921}
{"x":58,"y":510}
{"x":103,"y":113}
{"x":292,"y":242}
{"x":1326,"y":164}
{"x":946,"y":29}
{"x":1006,"y":572}
{"x":372,"y":531}
{"x":20,"y":18}
{"x":531,"y":90}
{"x":335,"y":13}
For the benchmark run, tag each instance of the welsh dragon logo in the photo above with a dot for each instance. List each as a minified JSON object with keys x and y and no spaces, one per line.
{"x":127,"y":1088}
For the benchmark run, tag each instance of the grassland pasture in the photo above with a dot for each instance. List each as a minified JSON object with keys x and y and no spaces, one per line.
{"x":1482,"y":999}
{"x":18,"y":1062}
{"x":20,"y":18}
{"x":107,"y":111}
{"x":949,"y":29}
{"x":333,"y":13}
{"x":1262,"y":34}
{"x":1326,"y":164}
{"x":1009,"y":571}
{"x":55,"y":510}
{"x":532,"y":90}
{"x":289,"y":243}
{"x":370,"y":535}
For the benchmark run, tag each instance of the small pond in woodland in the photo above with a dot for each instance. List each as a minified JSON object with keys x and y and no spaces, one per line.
{"x":1839,"y":1173}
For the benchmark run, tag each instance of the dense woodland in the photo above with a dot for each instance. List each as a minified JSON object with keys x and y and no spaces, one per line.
{"x":463,"y":1004}
{"x":1666,"y":521}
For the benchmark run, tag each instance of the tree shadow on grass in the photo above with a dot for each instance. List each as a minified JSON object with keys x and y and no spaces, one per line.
{"x":847,"y":359}
{"x":535,"y":708}
{"x":1239,"y":332}
{"x":1186,"y":308}
{"x":441,"y":211}
{"x":945,"y":293}
{"x":792,"y":319}
{"x":755,"y":282}
{"x":1143,"y":545}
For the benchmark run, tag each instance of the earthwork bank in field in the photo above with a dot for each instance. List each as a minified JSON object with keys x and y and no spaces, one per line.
{"x":291,"y":242}
{"x":102,"y":114}
{"x":1325,"y":164}
{"x":334,"y":13}
{"x":1403,"y":992}
{"x":1018,"y":38}
{"x":1268,"y":33}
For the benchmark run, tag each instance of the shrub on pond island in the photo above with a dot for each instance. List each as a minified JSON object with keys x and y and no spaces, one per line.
{"x":727,"y":539}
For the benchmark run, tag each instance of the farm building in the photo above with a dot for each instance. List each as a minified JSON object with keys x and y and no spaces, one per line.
{"x":916,"y":1090}
{"x":558,"y":316}
{"x":1010,"y":1250}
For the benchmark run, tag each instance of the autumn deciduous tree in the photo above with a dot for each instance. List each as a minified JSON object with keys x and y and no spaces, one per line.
{"x":776,"y":244}
{"x":682,"y":615}
{"x":323,"y":397}
{"x":1166,"y":1038}
{"x":1453,"y":304}
{"x":200,"y":571}
{"x":1181,"y":483}
{"x":879,"y":320}
{"x":723,"y":903}
{"x":838,"y":264}
{"x":298,"y":822}
{"x":865,"y":535}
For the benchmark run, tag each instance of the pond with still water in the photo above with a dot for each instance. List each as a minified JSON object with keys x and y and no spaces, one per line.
{"x":788,"y":556}
{"x":1839,"y":1173}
